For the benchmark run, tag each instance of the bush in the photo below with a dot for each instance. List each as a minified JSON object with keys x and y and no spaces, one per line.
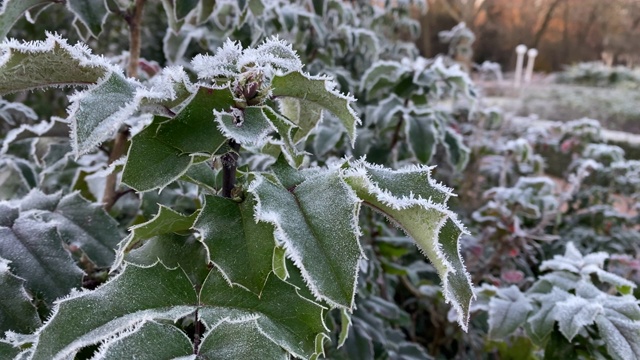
{"x":204,"y":200}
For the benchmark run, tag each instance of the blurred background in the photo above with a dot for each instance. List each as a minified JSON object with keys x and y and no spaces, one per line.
{"x":564,"y":31}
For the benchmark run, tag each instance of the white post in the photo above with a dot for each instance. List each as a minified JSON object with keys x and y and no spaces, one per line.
{"x":520,"y":50}
{"x":531,"y":54}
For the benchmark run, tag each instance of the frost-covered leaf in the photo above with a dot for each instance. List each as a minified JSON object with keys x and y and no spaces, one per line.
{"x":285,"y":128}
{"x":148,"y":341}
{"x":241,"y":248}
{"x":97,"y":113}
{"x":8,"y":351}
{"x":12,"y":10}
{"x":575,"y":313}
{"x":17,"y":313}
{"x":92,"y":13}
{"x":456,"y":149}
{"x":240,"y":340}
{"x":135,"y":296}
{"x":380,"y":76}
{"x":160,"y":153}
{"x":621,"y":336}
{"x":280,"y":313}
{"x":53,"y":62}
{"x":417,"y":204}
{"x":36,"y":252}
{"x":184,"y":7}
{"x":316,"y":222}
{"x":327,"y":137}
{"x":318,"y":91}
{"x":305,"y":114}
{"x":507,"y":311}
{"x":251,"y":128}
{"x":40,"y":138}
{"x":422,"y":136}
{"x":174,"y":250}
{"x":80,"y":223}
{"x":166,"y":221}
{"x":540,"y":324}
{"x":17,"y":177}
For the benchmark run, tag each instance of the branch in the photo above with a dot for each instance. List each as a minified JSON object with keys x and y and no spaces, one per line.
{"x":229,"y":164}
{"x":545,"y":23}
{"x":120,"y":144}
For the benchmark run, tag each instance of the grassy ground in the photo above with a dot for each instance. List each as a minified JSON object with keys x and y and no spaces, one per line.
{"x":615,"y":108}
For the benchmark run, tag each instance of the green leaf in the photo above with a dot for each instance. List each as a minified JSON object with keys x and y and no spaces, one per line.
{"x":152,"y":163}
{"x":52,"y":62}
{"x":241,"y":248}
{"x":240,"y":340}
{"x":251,"y":129}
{"x":284,"y":128}
{"x":92,"y":13}
{"x":184,"y":7}
{"x":160,"y":153}
{"x":80,"y":223}
{"x":14,"y":182}
{"x":12,"y":10}
{"x":381,"y":77}
{"x":422,"y":137}
{"x":159,"y":341}
{"x":166,"y":221}
{"x":282,"y":315}
{"x":508,"y":309}
{"x":345,"y":326}
{"x":174,"y":250}
{"x":457,"y":150}
{"x":279,"y":263}
{"x":97,"y":113}
{"x":35,"y":250}
{"x":135,"y":296}
{"x":305,"y":114}
{"x":17,"y":313}
{"x":417,"y":204}
{"x":316,"y":222}
{"x":8,"y":351}
{"x":318,"y":91}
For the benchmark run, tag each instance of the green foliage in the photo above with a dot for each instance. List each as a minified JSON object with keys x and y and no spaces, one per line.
{"x":269,"y":194}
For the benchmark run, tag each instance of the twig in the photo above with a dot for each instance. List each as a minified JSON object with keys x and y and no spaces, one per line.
{"x":229,"y":164}
{"x":133,"y":19}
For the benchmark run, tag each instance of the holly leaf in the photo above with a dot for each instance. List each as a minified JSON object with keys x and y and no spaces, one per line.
{"x":166,"y":221}
{"x":417,"y":204}
{"x":53,"y":62}
{"x":318,"y":91}
{"x":117,"y":313}
{"x":241,"y":248}
{"x":12,"y":10}
{"x":92,"y":14}
{"x":160,"y":341}
{"x":316,"y":222}
{"x":35,"y":250}
{"x":17,"y":313}
{"x":161,"y":152}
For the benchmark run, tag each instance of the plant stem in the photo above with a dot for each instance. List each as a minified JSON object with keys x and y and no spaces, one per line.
{"x":229,"y":165}
{"x":133,"y":19}
{"x":119,"y":147}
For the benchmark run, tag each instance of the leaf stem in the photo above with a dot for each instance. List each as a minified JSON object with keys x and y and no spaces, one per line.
{"x":229,"y":165}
